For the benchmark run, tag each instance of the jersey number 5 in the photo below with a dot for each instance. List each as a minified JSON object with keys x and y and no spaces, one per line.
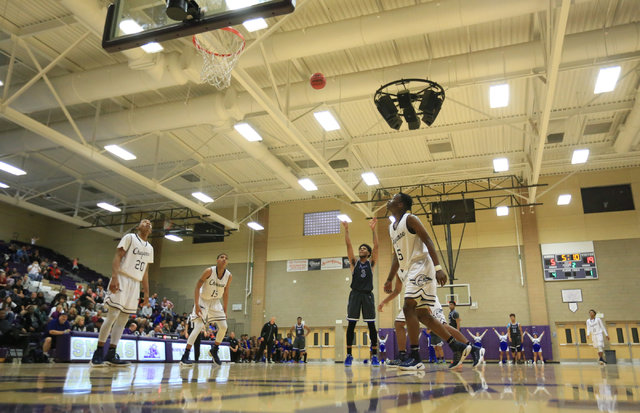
{"x":399,"y":254}
{"x":140,"y":265}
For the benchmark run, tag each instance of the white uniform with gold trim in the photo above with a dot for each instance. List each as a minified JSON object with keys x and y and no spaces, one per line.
{"x":138,"y":256}
{"x":415,"y":262}
{"x":596,"y":329}
{"x":211,"y":293}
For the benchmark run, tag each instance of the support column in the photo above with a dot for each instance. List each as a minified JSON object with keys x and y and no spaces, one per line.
{"x":386,"y":317}
{"x":534,"y":283}
{"x":258,"y":294}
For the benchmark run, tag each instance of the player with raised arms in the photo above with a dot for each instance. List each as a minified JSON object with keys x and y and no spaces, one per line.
{"x":415,"y":254}
{"x":361,"y":295}
{"x":212,"y":286}
{"x":129,"y":268}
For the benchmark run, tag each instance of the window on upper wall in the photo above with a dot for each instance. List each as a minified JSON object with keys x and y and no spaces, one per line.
{"x":321,"y":223}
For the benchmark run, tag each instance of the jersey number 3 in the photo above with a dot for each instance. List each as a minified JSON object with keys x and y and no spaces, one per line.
{"x":140,"y":265}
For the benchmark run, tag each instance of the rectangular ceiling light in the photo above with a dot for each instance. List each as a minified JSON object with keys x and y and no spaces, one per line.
{"x":564,"y":199}
{"x":255,"y":226}
{"x":108,"y":207}
{"x":307,"y":184}
{"x":607,"y":79}
{"x":3,"y":185}
{"x":130,"y":26}
{"x":241,"y":4}
{"x":502,"y":211}
{"x":580,"y":156}
{"x":344,"y":218}
{"x":370,"y":178}
{"x":327,"y":121}
{"x":202,"y":197}
{"x":153,"y":47}
{"x":500,"y":165}
{"x":11,"y":169}
{"x":173,"y":238}
{"x":499,"y":96}
{"x":120,"y":153}
{"x":247,"y":132}
{"x":254,"y":25}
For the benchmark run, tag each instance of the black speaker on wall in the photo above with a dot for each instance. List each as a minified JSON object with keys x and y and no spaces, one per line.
{"x":208,"y":232}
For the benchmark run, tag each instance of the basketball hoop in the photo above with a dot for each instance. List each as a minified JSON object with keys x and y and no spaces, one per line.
{"x":220,"y":50}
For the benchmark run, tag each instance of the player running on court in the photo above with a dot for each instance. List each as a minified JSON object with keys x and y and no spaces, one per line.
{"x":212,"y":286}
{"x":416,"y":255}
{"x":361,"y":295}
{"x":299,"y":342}
{"x":129,"y":268}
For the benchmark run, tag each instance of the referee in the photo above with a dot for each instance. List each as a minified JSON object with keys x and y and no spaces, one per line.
{"x":361,"y":296}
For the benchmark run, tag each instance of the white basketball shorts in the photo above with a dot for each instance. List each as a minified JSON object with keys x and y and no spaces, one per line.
{"x":126,"y":299}
{"x":598,"y":341}
{"x":210,"y":310}
{"x":421,"y":285}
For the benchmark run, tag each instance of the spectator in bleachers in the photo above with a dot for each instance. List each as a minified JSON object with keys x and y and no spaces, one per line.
{"x":181,"y":327}
{"x":32,"y":299}
{"x":131,"y":329}
{"x":40,"y":299}
{"x":33,"y":271}
{"x":4,"y":283}
{"x":54,"y":329}
{"x":31,"y":322}
{"x":86,"y":299}
{"x":54,"y":271}
{"x":153,"y":300}
{"x":146,"y":311}
{"x":57,"y":297}
{"x":34,"y":239}
{"x":99,"y":294}
{"x":56,"y":311}
{"x":74,"y":266}
{"x":95,"y":327}
{"x":157,"y":330}
{"x":78,"y":292}
{"x":44,"y":270}
{"x":9,"y":306}
{"x":79,"y":324}
{"x":22,"y":255}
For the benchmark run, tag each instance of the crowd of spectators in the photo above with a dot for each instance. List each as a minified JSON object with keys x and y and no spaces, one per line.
{"x":26,"y":315}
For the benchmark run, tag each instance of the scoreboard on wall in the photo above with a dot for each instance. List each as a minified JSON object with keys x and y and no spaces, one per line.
{"x":569,"y":261}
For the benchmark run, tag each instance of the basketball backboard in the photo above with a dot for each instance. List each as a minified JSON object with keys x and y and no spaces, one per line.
{"x":134,"y":23}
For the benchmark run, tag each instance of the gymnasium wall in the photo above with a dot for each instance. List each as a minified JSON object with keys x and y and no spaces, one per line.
{"x":95,"y":250}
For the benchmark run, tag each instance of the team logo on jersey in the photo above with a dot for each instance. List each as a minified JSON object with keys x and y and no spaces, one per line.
{"x":421,"y":280}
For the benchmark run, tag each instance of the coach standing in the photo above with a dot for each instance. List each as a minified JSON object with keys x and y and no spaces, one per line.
{"x":268,"y":336}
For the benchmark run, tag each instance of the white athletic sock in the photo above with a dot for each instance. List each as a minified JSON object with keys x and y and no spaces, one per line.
{"x":118,"y":328}
{"x":198,"y":325}
{"x":222,"y":330}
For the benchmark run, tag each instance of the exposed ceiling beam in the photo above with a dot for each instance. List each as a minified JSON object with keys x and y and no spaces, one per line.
{"x":56,"y":215}
{"x":292,"y":131}
{"x":94,"y":155}
{"x":552,"y":81}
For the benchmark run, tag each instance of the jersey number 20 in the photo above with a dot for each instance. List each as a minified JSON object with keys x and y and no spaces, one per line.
{"x":140,"y":265}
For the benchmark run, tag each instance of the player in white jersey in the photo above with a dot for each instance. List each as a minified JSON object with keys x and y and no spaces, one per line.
{"x":435,"y":311}
{"x":597,"y":331}
{"x":415,"y":254}
{"x":129,"y":268}
{"x":212,"y":286}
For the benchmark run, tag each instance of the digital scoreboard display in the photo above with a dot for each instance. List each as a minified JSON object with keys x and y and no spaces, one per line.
{"x":570,"y":266}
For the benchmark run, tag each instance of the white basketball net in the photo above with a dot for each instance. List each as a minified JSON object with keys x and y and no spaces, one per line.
{"x":220,"y":50}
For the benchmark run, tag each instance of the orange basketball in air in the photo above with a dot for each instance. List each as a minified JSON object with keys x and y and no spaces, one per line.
{"x":318,"y":81}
